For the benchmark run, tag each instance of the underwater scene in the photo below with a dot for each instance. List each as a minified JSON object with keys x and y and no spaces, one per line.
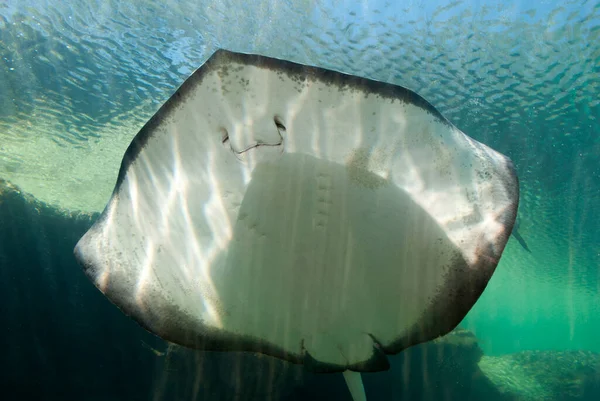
{"x":299,"y":200}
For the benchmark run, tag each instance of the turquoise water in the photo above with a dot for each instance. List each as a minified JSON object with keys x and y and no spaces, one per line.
{"x":78,"y":80}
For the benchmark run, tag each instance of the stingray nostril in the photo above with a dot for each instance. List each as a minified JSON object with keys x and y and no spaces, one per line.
{"x":279,"y":123}
{"x":224,"y":135}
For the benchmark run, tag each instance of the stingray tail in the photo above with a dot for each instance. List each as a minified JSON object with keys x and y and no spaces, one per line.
{"x":355,"y":385}
{"x":518,"y":237}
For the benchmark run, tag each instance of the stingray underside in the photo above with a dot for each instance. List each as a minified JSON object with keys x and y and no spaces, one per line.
{"x":318,"y":217}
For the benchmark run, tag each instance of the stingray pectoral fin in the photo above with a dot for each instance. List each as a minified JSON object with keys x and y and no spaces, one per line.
{"x":355,"y":385}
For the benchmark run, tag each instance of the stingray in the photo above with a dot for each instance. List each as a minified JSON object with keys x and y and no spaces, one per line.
{"x":321,"y":218}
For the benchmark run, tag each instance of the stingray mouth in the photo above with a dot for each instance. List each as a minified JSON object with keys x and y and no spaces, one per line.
{"x":270,"y":137}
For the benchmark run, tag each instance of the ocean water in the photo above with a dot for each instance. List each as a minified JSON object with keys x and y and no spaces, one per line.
{"x":78,"y":79}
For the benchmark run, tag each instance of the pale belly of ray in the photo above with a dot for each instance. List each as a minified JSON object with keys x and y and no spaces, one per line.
{"x":324,"y":254}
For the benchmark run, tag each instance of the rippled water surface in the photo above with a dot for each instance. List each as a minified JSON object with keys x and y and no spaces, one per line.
{"x":79,"y":79}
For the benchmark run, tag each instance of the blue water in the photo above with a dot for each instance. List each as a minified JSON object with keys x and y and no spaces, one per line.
{"x":524,"y":79}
